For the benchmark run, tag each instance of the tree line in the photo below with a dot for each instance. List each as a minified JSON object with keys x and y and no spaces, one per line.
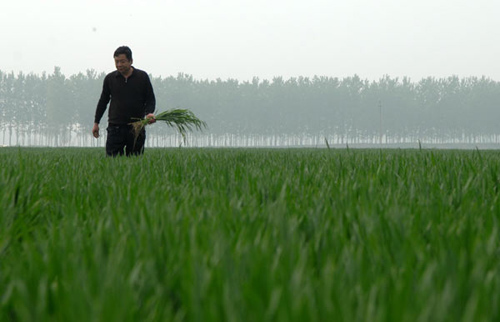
{"x":58,"y":108}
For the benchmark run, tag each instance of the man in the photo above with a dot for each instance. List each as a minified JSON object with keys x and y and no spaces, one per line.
{"x":132,"y":97}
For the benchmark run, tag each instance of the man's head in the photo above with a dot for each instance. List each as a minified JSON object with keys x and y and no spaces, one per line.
{"x":125,"y":51}
{"x":123,"y":59}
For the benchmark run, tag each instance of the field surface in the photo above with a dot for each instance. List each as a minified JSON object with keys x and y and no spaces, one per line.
{"x":249,"y":235}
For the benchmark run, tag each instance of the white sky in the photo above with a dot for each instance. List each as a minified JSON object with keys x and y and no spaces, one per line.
{"x":242,"y":39}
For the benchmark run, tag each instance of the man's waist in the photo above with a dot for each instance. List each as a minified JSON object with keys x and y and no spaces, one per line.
{"x":119,"y":124}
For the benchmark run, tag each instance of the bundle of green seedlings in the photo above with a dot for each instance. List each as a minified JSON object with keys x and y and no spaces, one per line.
{"x":182,"y":119}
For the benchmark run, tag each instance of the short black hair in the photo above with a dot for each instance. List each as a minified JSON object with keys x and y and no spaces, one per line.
{"x":123,"y":50}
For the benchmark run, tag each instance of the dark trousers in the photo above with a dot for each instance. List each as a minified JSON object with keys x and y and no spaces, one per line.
{"x":121,"y":137}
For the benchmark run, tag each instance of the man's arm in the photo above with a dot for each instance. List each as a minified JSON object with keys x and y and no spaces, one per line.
{"x":101,"y":107}
{"x":150,"y":103}
{"x":103,"y":101}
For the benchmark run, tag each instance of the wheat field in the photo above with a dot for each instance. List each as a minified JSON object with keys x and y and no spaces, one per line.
{"x":249,"y":235}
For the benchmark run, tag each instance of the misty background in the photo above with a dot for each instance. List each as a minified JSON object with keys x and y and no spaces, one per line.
{"x":56,"y":110}
{"x":260,"y":73}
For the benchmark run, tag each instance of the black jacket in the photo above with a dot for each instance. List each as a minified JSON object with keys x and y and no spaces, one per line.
{"x":130,"y":98}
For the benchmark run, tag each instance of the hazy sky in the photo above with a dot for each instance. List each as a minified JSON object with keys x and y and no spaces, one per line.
{"x":242,"y":39}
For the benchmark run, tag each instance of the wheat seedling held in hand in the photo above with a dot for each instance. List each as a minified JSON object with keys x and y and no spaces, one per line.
{"x":184,"y":120}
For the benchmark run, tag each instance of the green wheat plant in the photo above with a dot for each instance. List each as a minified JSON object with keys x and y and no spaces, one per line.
{"x":182,"y":119}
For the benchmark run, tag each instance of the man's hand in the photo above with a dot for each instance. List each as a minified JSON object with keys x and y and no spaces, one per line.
{"x":151,"y":118}
{"x":95,"y":130}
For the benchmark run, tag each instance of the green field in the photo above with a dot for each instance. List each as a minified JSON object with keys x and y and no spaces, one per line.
{"x":249,"y":235}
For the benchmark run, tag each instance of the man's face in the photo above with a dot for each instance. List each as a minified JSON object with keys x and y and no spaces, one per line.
{"x":123,"y":64}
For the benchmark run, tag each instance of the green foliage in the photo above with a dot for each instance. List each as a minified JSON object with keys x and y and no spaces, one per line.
{"x":249,"y":235}
{"x":182,"y":119}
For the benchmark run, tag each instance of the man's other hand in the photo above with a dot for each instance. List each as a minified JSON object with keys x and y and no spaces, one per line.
{"x":95,"y":130}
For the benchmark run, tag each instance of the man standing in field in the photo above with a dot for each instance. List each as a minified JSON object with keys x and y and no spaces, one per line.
{"x":132,"y":97}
